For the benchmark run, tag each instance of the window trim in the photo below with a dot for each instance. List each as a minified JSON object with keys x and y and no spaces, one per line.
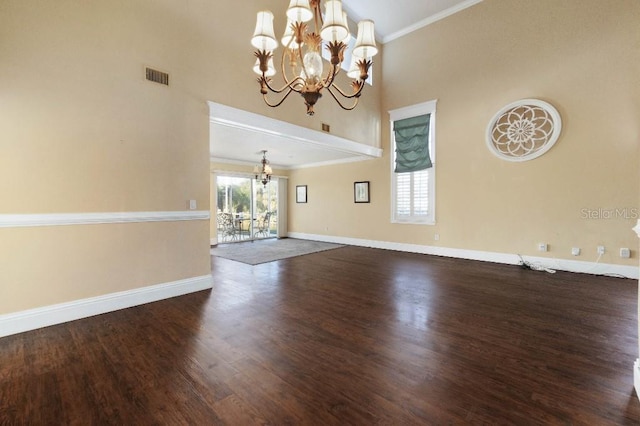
{"x":423,"y":108}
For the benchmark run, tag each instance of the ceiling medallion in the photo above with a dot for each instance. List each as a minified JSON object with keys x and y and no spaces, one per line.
{"x":523,"y":130}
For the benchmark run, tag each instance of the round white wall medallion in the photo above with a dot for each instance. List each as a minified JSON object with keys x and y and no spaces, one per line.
{"x":523,"y":130}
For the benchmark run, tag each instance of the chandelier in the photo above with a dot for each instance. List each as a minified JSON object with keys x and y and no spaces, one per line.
{"x":263,"y":170}
{"x":301,"y":53}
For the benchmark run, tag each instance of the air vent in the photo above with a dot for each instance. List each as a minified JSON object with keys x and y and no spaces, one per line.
{"x":157,"y":76}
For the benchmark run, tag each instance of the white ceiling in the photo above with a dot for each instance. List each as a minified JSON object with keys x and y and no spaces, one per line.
{"x":239,"y":137}
{"x":400,"y":17}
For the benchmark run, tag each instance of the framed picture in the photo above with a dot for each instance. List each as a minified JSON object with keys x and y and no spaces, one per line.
{"x":361,"y":192}
{"x":301,"y":193}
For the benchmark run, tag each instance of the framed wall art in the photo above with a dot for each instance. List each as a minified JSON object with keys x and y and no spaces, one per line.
{"x":361,"y":192}
{"x":301,"y":193}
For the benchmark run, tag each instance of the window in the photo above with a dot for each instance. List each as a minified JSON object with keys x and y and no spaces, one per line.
{"x":413,"y":164}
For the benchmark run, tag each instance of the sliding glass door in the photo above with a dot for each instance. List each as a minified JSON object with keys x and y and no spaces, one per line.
{"x":246,"y":209}
{"x":266,"y":209}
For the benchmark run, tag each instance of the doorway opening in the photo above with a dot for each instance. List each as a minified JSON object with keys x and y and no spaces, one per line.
{"x":247,"y":210}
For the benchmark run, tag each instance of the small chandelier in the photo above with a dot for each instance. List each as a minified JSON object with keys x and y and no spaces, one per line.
{"x":263,"y":170}
{"x":302,"y":53}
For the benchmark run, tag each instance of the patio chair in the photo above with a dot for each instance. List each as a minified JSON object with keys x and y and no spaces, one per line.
{"x":264,"y":225}
{"x":226,"y":227}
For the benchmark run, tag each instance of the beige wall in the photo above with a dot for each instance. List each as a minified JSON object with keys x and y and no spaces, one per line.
{"x":82,"y":131}
{"x":582,"y":57}
{"x":65,"y":263}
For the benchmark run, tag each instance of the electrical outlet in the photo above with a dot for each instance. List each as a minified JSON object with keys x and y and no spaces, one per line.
{"x":436,"y":237}
{"x":193,"y":205}
{"x":543,"y":247}
{"x":575,"y":251}
{"x":600,"y":250}
{"x":625,"y":252}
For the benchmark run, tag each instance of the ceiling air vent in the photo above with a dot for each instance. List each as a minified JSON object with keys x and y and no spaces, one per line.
{"x":157,"y":76}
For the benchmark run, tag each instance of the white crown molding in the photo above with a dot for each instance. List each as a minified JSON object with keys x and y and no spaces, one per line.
{"x":485,"y":256}
{"x":430,"y":20}
{"x":232,"y":117}
{"x":33,"y":319}
{"x":56,"y":219}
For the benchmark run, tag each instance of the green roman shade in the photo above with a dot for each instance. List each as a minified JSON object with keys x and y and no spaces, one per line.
{"x":412,"y":144}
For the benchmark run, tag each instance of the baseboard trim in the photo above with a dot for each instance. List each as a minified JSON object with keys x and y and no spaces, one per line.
{"x":33,"y":319}
{"x":57,"y":219}
{"x":485,"y":256}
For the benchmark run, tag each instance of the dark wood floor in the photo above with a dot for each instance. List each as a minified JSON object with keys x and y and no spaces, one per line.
{"x":347,"y":336}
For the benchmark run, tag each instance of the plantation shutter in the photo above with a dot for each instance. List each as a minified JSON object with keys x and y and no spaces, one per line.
{"x":403,"y":195}
{"x":420,"y":193}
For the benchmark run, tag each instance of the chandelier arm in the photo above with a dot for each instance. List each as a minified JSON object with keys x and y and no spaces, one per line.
{"x":355,"y":103}
{"x":289,"y":85}
{"x":282,"y":67}
{"x":356,"y":94}
{"x":266,"y":101}
{"x":331,"y":75}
